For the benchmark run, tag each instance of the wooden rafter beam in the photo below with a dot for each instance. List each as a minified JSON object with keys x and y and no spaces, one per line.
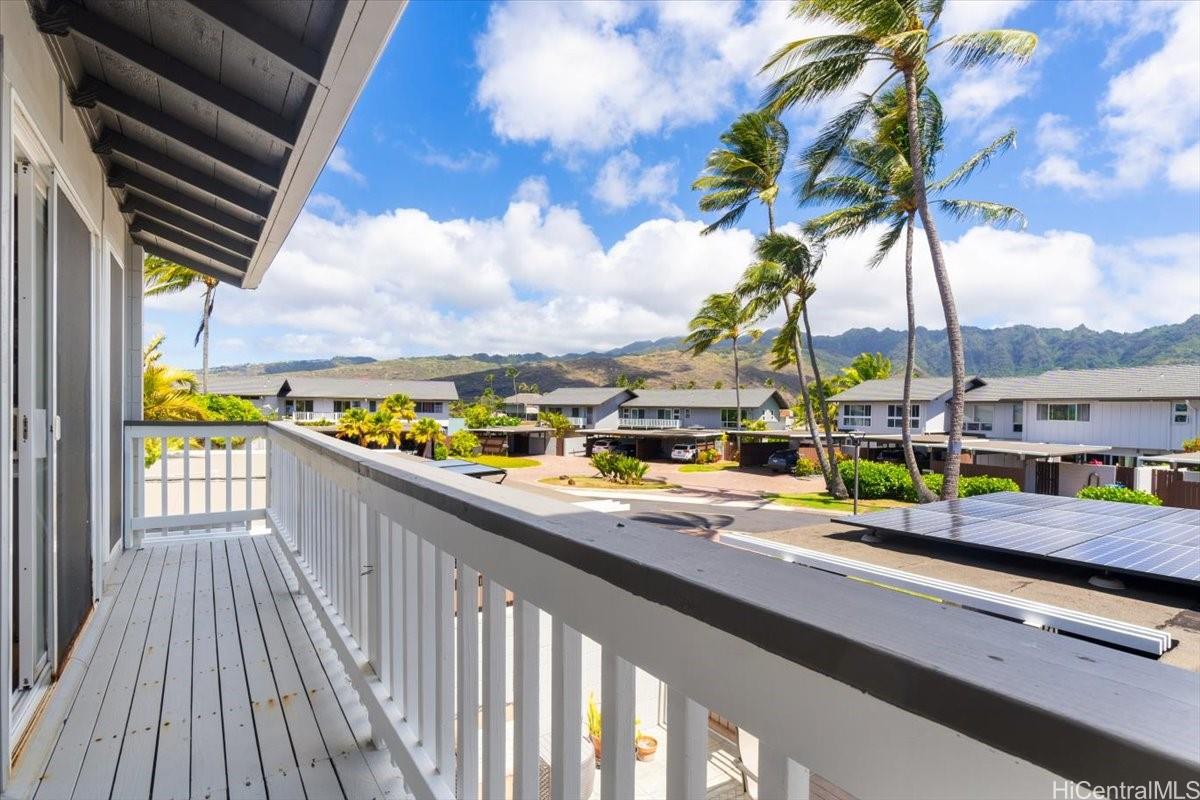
{"x":305,"y":61}
{"x":136,"y":204}
{"x":119,"y":178}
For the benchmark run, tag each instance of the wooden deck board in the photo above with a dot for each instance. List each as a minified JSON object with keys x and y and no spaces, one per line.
{"x":207,"y":670}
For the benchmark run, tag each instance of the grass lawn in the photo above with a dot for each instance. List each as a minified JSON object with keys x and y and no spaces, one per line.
{"x":504,"y":462}
{"x":595,"y":482}
{"x":716,"y":466}
{"x":823,"y":501}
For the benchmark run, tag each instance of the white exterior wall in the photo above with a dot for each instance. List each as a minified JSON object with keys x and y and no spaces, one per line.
{"x":324,"y":405}
{"x":1002,"y":421}
{"x":1140,"y":425}
{"x":606,"y":416}
{"x":711,"y":417}
{"x":879,"y":418}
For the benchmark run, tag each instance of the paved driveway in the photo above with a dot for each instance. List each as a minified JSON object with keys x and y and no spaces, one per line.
{"x":731,"y":484}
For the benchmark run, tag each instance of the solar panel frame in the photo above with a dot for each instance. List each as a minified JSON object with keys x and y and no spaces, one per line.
{"x":1149,"y":541}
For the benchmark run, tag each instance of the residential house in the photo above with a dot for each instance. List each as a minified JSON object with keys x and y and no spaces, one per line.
{"x":261,"y":390}
{"x":153,"y":647}
{"x":594,"y":407}
{"x":700,"y":408}
{"x":310,"y":398}
{"x":1134,"y":411}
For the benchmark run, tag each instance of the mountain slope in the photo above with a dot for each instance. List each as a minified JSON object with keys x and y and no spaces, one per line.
{"x":1015,"y":350}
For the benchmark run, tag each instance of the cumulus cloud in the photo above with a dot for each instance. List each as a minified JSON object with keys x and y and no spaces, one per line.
{"x":624,"y":182}
{"x":537,"y":277}
{"x":339,"y":162}
{"x":593,"y":76}
{"x":1149,"y":119}
{"x":469,"y":160}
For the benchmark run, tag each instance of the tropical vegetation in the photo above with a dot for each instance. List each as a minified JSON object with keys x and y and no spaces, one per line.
{"x":723,"y":317}
{"x":882,"y":480}
{"x":163,"y":277}
{"x":620,"y":468}
{"x":1119,"y":494}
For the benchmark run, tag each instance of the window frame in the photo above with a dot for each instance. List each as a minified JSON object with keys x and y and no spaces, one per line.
{"x":859,"y":420}
{"x":1071,"y":412}
{"x":895,"y":420}
{"x":1186,"y":413}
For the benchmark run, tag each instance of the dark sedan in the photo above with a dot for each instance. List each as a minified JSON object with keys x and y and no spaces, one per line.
{"x":783,"y":460}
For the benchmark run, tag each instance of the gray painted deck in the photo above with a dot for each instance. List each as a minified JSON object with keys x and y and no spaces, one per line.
{"x":211,"y":678}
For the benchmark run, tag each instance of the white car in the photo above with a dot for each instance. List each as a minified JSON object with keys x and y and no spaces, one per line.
{"x":684,"y":452}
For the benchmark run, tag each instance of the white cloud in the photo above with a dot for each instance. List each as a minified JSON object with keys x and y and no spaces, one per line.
{"x":973,"y":99}
{"x":964,"y":16}
{"x":538,"y":278}
{"x":1055,"y":133}
{"x":592,"y":76}
{"x":623,"y":182}
{"x":469,"y":160}
{"x":1150,"y":118}
{"x":339,"y":162}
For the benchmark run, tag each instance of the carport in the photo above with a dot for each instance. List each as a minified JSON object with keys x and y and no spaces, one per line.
{"x":652,"y":444}
{"x":755,"y":447}
{"x":519,"y":440}
{"x":1035,"y":466}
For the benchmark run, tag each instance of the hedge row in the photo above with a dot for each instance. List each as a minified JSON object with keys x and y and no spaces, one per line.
{"x":882,"y":481}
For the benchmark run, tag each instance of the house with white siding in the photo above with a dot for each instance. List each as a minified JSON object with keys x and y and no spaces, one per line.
{"x":595,"y":407}
{"x":305,"y":398}
{"x":700,"y":408}
{"x":1134,"y":411}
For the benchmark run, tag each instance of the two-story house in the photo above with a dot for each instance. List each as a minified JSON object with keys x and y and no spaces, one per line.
{"x":595,"y":407}
{"x":307,"y":398}
{"x":1134,"y":411}
{"x":700,"y":408}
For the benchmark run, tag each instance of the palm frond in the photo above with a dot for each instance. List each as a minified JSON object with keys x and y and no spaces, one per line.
{"x":813,"y":80}
{"x":830,"y":142}
{"x":977,"y":161}
{"x":847,"y":221}
{"x":977,"y":48}
{"x":886,"y":242}
{"x":984,"y":211}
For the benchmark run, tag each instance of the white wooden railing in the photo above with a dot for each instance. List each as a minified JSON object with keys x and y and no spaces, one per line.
{"x":648,"y":423}
{"x":883,"y":694}
{"x":315,"y":416}
{"x":207,"y":477}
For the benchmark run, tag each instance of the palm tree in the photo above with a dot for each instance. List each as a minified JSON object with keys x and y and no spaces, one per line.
{"x":873,"y":182}
{"x":897,"y":33}
{"x":427,"y":431}
{"x":723,"y":317}
{"x":384,"y":428}
{"x":166,"y":277}
{"x":745,"y":169}
{"x":512,"y":373}
{"x":782,"y":277}
{"x":168,"y":393}
{"x":400,"y":406}
{"x":353,"y":425}
{"x":866,"y":367}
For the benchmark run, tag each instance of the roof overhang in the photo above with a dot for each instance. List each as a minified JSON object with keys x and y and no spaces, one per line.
{"x":213,"y":118}
{"x":1010,"y":447}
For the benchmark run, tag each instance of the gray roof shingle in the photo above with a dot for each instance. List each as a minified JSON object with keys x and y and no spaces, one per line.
{"x":923,"y":389}
{"x":245,"y":385}
{"x":582,"y":395}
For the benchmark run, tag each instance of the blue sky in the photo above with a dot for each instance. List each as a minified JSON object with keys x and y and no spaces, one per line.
{"x":515,"y":178}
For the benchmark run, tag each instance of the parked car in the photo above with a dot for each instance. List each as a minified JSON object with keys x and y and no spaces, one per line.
{"x":602,"y":445}
{"x":684,"y":452}
{"x":783,"y":460}
{"x":614,"y":446}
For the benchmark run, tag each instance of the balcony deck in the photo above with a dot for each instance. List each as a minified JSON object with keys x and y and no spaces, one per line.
{"x":206,"y":675}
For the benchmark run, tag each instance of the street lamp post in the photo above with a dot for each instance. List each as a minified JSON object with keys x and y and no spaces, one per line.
{"x":856,"y":440}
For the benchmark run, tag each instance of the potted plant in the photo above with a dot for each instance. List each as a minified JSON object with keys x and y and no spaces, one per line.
{"x":645,"y":745}
{"x":594,"y":723}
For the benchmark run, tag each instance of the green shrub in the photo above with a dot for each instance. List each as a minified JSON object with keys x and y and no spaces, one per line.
{"x":1119,"y":494}
{"x":806,"y":467}
{"x":620,"y":468}
{"x":1191,"y":445}
{"x":933,"y":482}
{"x":973,"y":485}
{"x":463,"y":443}
{"x":708,"y":455}
{"x":439,"y":452}
{"x":876,"y":480}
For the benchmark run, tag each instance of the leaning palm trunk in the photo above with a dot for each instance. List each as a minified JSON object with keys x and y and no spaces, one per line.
{"x":836,"y":486}
{"x":737,"y":383}
{"x":208,"y":301}
{"x":809,"y":417}
{"x":958,"y":366}
{"x":910,"y":459}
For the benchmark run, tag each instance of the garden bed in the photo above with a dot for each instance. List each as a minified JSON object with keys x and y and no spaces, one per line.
{"x":596,"y":482}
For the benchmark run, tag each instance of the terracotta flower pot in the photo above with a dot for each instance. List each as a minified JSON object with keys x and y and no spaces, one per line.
{"x":646,"y":747}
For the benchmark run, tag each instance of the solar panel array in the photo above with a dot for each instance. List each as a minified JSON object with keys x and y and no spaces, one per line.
{"x":1121,"y":537}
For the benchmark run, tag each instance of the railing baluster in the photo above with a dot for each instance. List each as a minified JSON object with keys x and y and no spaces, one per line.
{"x":467,"y":773}
{"x":229,"y":478}
{"x":687,"y":746}
{"x":164,"y":503}
{"x":526,"y":619}
{"x":247,"y":446}
{"x":565,"y":723}
{"x":187,"y":476}
{"x":493,"y":688}
{"x":395,"y":601}
{"x":208,"y":478}
{"x":412,"y":638}
{"x":444,"y":703}
{"x":780,"y":776}
{"x":428,"y":650}
{"x":617,"y":695}
{"x":376,"y":595}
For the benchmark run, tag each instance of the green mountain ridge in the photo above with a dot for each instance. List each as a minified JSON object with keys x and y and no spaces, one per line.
{"x":997,"y":352}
